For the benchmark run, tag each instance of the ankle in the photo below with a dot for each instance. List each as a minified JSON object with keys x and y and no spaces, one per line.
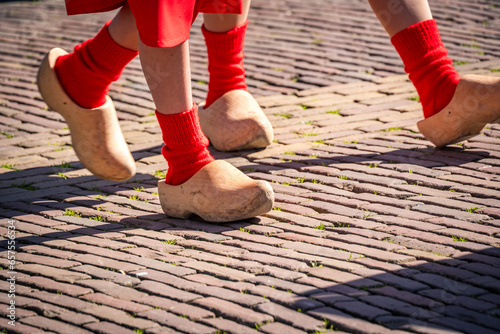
{"x":87,"y":73}
{"x":185,"y":145}
{"x":225,"y":61}
{"x":428,"y":65}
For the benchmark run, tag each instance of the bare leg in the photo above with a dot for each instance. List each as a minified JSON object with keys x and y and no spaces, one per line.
{"x":168,"y":76}
{"x":123,"y":29}
{"x":226,"y":22}
{"x":396,"y":15}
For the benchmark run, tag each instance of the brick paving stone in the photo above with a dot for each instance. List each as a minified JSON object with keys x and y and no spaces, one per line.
{"x":448,"y":284}
{"x":474,"y":304}
{"x":316,"y":250}
{"x":387,"y":210}
{"x":390,"y":279}
{"x":330,"y":298}
{"x":125,"y":305}
{"x":474,"y":257}
{"x":423,"y":249}
{"x":219,"y":271}
{"x":279,"y":328}
{"x":486,"y":282}
{"x":107,"y":275}
{"x":281,"y":273}
{"x":118,"y":317}
{"x":212,"y":247}
{"x":99,"y":242}
{"x":192,"y":312}
{"x":413,"y":325}
{"x":405,"y":296}
{"x":59,"y":313}
{"x":163,"y":266}
{"x":228,"y":325}
{"x":112,"y":289}
{"x":104,"y":327}
{"x":19,"y":327}
{"x":253,"y":247}
{"x":398,"y":307}
{"x":452,"y":272}
{"x":214,"y":281}
{"x":166,"y":291}
{"x":461,"y":215}
{"x":153,"y":244}
{"x":411,"y":223}
{"x":240,"y":298}
{"x":233,"y":311}
{"x":107,"y":263}
{"x":19,"y":313}
{"x":52,"y":325}
{"x":275,"y":261}
{"x":254,"y":238}
{"x":346,"y":322}
{"x":38,"y":249}
{"x":462,"y":326}
{"x":299,"y":289}
{"x":479,"y":228}
{"x":209,"y":257}
{"x":198,"y":235}
{"x":361,"y":309}
{"x":45,"y":260}
{"x":95,"y":250}
{"x":475,"y":237}
{"x":483,"y":269}
{"x":56,"y":274}
{"x":286,"y":298}
{"x":342,"y":277}
{"x":176,"y":322}
{"x":52,"y":285}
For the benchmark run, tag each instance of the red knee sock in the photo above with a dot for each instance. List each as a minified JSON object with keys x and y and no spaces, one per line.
{"x":87,"y":73}
{"x":425,"y":59}
{"x":185,"y":145}
{"x":225,"y":61}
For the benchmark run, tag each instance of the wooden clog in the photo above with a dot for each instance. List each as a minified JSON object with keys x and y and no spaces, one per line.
{"x":218,"y":192}
{"x":235,"y":122}
{"x":476,"y":103}
{"x":95,"y":133}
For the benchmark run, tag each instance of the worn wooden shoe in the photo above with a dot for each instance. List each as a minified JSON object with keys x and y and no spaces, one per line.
{"x":476,"y":103}
{"x":218,"y":192}
{"x":95,"y":133}
{"x":235,"y":122}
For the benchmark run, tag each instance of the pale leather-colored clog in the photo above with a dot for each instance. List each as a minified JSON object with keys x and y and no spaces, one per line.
{"x":95,"y":133}
{"x":218,"y":192}
{"x":235,"y":122}
{"x":476,"y":102}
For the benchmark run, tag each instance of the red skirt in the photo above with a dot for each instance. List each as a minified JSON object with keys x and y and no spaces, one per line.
{"x":161,"y":23}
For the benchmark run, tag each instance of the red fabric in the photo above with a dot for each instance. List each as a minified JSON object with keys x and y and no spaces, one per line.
{"x":225,"y":61}
{"x":429,"y":68}
{"x":185,"y":145}
{"x":87,"y":73}
{"x":161,"y":23}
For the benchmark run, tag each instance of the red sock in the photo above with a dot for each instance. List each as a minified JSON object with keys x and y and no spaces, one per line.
{"x":87,"y":73}
{"x":426,"y":61}
{"x":185,"y":145}
{"x":225,"y":61}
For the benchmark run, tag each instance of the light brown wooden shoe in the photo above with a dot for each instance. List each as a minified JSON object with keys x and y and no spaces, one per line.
{"x":218,"y":192}
{"x":95,"y":133}
{"x":235,"y":122}
{"x":476,"y":103}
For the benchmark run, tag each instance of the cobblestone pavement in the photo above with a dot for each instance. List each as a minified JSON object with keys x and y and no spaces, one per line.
{"x":373,"y":231}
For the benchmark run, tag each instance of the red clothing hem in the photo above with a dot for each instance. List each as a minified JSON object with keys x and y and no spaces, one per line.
{"x":161,"y":23}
